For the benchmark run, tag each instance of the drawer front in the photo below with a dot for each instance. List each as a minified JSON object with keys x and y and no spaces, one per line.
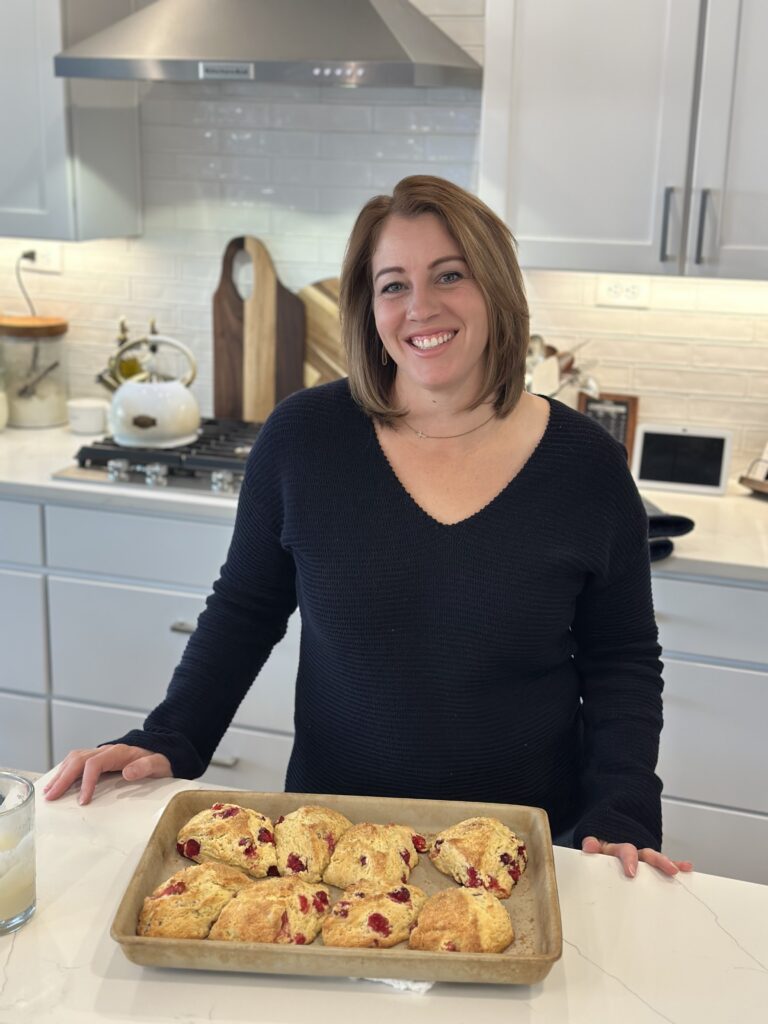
{"x":23,"y":632}
{"x":136,"y":547}
{"x":21,"y":532}
{"x":244,"y":759}
{"x":718,"y":841}
{"x":713,"y":742}
{"x":24,"y":733}
{"x":711,"y":620}
{"x":115,"y":644}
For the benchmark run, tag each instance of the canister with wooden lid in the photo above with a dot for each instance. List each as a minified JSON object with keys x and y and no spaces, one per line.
{"x":35,"y":372}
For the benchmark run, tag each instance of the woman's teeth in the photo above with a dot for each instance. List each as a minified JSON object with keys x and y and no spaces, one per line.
{"x":431,"y":340}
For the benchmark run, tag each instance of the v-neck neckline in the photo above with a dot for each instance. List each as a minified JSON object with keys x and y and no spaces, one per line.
{"x":499,"y":496}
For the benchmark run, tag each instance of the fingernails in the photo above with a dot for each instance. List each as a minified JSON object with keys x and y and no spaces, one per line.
{"x":632,"y":869}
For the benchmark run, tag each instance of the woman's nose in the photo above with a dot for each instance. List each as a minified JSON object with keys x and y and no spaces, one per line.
{"x":423,"y":303}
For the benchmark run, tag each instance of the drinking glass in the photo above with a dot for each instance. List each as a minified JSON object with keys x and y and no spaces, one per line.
{"x":17,"y":851}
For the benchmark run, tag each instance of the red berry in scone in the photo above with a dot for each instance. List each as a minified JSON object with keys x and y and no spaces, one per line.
{"x":230,"y":834}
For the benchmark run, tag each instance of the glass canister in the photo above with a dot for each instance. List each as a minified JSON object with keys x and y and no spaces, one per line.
{"x":35,"y":373}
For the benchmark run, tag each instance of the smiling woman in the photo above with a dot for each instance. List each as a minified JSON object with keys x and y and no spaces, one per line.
{"x":470,"y":562}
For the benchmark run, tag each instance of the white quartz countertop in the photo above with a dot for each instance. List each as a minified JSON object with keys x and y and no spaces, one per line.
{"x":730,"y":538}
{"x":690,"y":949}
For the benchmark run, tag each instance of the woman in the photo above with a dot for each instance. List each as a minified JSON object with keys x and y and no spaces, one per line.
{"x":470,"y":562}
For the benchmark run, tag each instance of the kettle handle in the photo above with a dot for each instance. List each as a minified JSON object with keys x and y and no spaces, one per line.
{"x":153,"y":339}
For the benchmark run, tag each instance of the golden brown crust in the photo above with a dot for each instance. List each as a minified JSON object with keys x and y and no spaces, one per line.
{"x":462,"y":921}
{"x":480,"y":852}
{"x":370,"y":917}
{"x":230,"y":834}
{"x":186,"y":905}
{"x":305,"y":840}
{"x":380,"y":855}
{"x":277,"y":910}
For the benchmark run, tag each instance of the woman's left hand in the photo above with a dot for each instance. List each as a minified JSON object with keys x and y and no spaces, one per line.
{"x":629,"y":855}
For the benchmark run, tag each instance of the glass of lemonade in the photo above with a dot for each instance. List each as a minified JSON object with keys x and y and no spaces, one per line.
{"x":17,"y":851}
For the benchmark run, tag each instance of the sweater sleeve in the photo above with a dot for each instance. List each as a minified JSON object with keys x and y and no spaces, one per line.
{"x":245,"y":616}
{"x":617,"y":657}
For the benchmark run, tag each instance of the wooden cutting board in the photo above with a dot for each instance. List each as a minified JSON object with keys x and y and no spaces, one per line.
{"x":324,"y":358}
{"x":258,"y":342}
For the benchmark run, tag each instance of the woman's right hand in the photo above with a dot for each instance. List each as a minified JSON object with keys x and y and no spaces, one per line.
{"x":134,"y":762}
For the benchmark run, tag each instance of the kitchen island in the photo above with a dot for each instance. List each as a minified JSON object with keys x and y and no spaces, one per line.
{"x":689,"y":949}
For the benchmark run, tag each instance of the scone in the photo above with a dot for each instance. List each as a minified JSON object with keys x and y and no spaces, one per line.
{"x":460,"y":921}
{"x":280,"y":910}
{"x":185,"y":905}
{"x":232,"y":835}
{"x":305,"y":840}
{"x":480,"y":852}
{"x":378,"y":854}
{"x":372,"y":917}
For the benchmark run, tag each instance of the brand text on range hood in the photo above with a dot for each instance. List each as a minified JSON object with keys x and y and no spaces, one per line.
{"x":309,"y":42}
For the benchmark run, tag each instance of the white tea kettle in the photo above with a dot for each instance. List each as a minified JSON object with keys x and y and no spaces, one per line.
{"x":148,"y":410}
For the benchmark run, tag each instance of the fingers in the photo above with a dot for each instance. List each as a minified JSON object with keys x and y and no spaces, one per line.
{"x":629,"y":856}
{"x":153,"y":766}
{"x":90,"y":764}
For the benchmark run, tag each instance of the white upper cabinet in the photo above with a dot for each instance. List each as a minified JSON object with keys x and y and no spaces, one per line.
{"x":604,"y":121}
{"x":729,"y":217}
{"x":69,"y":159}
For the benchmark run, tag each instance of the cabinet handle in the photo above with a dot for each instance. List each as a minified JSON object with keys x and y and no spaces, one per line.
{"x":183,"y":627}
{"x":699,"y":257}
{"x":225,"y":762}
{"x":668,"y":193}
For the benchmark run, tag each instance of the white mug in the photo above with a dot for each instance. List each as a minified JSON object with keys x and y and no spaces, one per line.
{"x":87,"y":415}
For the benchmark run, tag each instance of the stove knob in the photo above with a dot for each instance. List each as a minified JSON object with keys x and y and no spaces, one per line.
{"x":117,"y":470}
{"x":156,"y":474}
{"x":223,"y":481}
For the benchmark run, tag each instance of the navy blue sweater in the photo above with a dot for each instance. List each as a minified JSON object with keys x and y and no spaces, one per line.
{"x":511,"y":657}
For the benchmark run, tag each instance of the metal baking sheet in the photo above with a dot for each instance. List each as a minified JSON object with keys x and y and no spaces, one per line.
{"x":533,"y":905}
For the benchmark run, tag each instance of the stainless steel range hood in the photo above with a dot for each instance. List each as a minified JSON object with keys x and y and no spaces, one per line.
{"x":306,"y":42}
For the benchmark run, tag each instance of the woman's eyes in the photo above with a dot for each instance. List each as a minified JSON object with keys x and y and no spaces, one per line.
{"x":448,"y":277}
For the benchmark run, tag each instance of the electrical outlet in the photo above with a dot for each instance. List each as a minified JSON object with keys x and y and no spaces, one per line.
{"x":632,"y":291}
{"x":47,"y":259}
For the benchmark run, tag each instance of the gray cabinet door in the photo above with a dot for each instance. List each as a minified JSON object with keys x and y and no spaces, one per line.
{"x":729,"y":222}
{"x":586,"y":129}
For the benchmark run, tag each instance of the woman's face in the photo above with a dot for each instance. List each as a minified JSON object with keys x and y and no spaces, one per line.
{"x":429,"y":312}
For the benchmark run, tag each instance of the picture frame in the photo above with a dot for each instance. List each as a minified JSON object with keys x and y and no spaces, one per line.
{"x":617,"y":413}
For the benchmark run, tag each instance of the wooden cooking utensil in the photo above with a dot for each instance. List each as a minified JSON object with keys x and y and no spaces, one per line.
{"x":324,"y":358}
{"x":258,"y":342}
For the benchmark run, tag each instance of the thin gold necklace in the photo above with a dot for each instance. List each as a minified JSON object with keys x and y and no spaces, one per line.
{"x":445,"y":437}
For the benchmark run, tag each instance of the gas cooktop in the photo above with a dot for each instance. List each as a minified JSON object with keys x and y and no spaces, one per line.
{"x":214,"y":462}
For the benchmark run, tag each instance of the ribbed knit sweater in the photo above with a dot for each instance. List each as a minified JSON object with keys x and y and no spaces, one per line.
{"x":511,"y":657}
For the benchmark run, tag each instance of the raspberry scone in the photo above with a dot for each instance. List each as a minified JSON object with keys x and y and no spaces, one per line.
{"x":460,"y":921}
{"x":232,"y":835}
{"x":378,"y":854}
{"x":480,"y":852}
{"x":366,"y":916}
{"x":305,"y":840}
{"x":185,"y":905}
{"x":281,"y":910}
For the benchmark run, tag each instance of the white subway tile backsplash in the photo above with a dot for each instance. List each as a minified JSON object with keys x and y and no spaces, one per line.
{"x":320,"y":117}
{"x":269,"y":143}
{"x":694,"y":325}
{"x":385,"y":175}
{"x":462,"y":148}
{"x":178,"y":139}
{"x":638,"y":352}
{"x":750,"y":357}
{"x":758,"y":387}
{"x":732,"y":296}
{"x":691,"y":382}
{"x":723,"y":412}
{"x":336,"y":146}
{"x":464,"y":120}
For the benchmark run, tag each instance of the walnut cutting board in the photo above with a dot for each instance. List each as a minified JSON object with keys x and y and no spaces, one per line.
{"x":258,"y":342}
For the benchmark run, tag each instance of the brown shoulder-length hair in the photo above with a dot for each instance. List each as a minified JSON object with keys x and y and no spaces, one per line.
{"x":487,"y":245}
